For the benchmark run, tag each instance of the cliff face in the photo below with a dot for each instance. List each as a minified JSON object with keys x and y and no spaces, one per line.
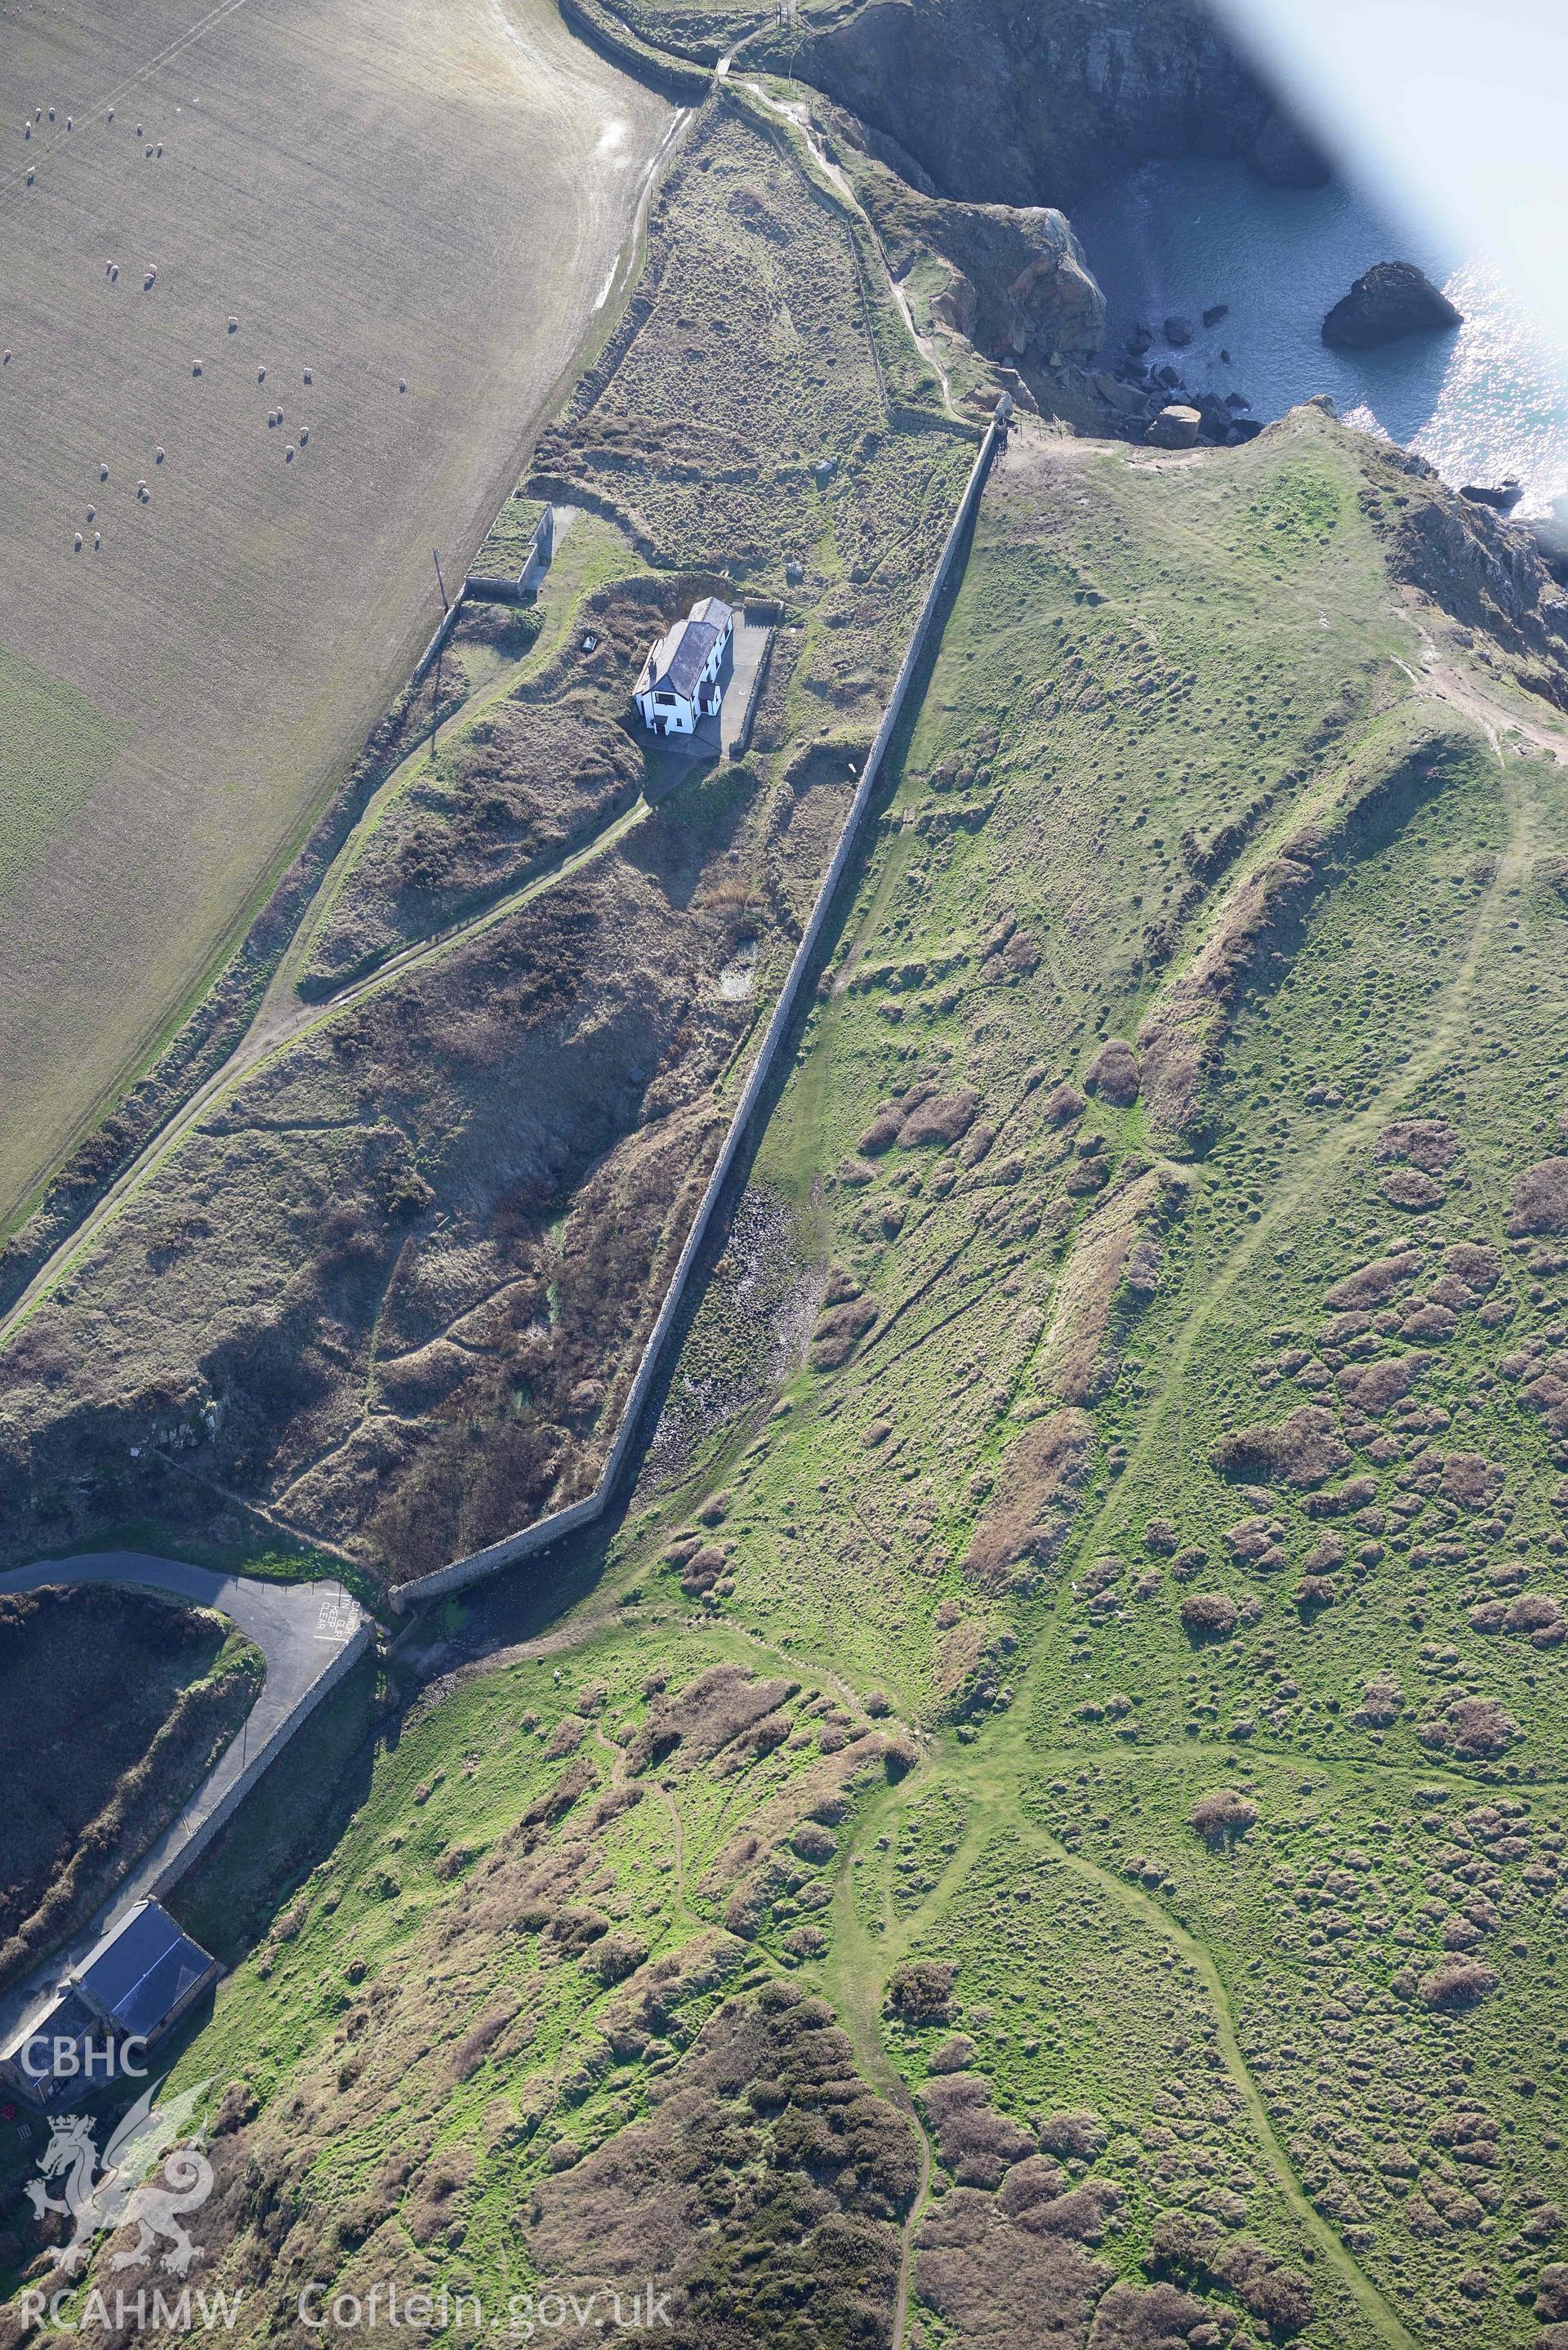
{"x":1487,"y":576}
{"x":1029,"y":102}
{"x":1018,"y":287}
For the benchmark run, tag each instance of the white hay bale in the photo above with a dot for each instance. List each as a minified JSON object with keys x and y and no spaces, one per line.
{"x":261,"y":375}
{"x":195,"y":367}
{"x":114,"y":272}
{"x":102,"y":471}
{"x":92,"y":513}
{"x":234,"y":326}
{"x":403,"y":384}
{"x":69,"y":124}
{"x":79,"y":544}
{"x":51,"y":114}
{"x":139,"y":129}
{"x":158,"y":456}
{"x":97,"y":540}
{"x":288,"y":455}
{"x":110,"y":116}
{"x":307,"y":375}
{"x":159,"y":148}
{"x":303,"y":434}
{"x":32,"y":175}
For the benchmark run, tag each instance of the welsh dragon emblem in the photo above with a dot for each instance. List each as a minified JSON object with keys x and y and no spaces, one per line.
{"x":127,"y":2191}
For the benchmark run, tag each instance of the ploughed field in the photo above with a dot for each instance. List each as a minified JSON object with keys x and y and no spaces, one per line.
{"x":412,"y":218}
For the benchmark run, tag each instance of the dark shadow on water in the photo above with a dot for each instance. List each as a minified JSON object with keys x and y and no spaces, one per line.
{"x":1181,"y":239}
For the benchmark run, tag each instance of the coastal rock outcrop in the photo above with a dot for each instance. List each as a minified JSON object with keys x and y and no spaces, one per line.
{"x":1487,"y":574}
{"x":1391,"y":299}
{"x":1018,"y":286}
{"x":1176,"y":427}
{"x":1033,"y":101}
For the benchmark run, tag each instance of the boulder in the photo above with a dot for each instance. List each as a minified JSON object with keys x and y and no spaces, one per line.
{"x":1286,"y":158}
{"x":1501,"y":500}
{"x":1174,"y":428}
{"x":1393,"y":298}
{"x":1178,"y":333}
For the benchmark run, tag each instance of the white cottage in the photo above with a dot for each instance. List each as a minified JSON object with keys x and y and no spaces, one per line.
{"x":678,"y":684}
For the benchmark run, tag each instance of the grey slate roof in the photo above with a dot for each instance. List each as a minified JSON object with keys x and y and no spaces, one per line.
{"x":697,"y":640}
{"x":140,"y":1971}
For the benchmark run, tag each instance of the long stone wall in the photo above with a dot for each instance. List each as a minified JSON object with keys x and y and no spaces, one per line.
{"x":342,"y":1665}
{"x":530,"y":1540}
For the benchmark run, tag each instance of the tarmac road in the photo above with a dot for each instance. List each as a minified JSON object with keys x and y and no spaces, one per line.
{"x":299,"y":1627}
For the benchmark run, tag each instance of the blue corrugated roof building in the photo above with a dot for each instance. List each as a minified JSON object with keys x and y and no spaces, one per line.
{"x":133,"y":1986}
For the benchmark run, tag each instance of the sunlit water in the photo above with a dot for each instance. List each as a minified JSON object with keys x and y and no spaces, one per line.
{"x":1481,"y":402}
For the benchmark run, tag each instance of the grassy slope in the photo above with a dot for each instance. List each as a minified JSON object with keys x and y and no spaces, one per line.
{"x":1156,"y":671}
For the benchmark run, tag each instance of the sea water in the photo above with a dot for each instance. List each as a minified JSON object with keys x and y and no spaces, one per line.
{"x":1482,"y":402}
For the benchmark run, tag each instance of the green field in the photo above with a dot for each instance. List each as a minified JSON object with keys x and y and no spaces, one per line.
{"x":55,"y":747}
{"x":236,"y":634}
